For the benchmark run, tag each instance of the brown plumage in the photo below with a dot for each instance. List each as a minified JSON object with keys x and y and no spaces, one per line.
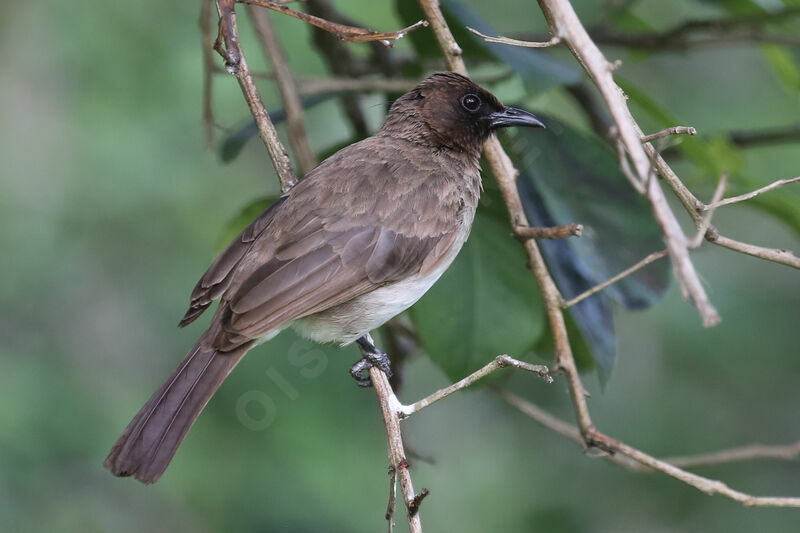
{"x":357,"y":241}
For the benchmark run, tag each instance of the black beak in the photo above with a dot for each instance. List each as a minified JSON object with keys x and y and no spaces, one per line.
{"x":511,"y":116}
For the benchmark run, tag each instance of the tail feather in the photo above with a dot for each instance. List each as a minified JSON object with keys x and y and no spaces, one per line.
{"x":151,"y":439}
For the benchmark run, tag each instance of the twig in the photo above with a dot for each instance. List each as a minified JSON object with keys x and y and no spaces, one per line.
{"x":554,"y":232}
{"x":565,"y":23}
{"x":237,"y":65}
{"x":295,"y":123}
{"x":776,"y":255}
{"x":752,"y":194}
{"x":343,"y":32}
{"x":737,"y":455}
{"x":392,"y":497}
{"x":627,"y":272}
{"x":413,"y":507}
{"x":514,"y":42}
{"x":675,"y":130}
{"x":704,"y":225}
{"x":390,"y":409}
{"x":501,"y":361}
{"x":706,"y":485}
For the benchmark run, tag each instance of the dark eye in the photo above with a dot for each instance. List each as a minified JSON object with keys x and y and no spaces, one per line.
{"x":471,"y":102}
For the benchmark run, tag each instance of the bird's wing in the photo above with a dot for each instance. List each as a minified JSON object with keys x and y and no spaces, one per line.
{"x":330,"y":240}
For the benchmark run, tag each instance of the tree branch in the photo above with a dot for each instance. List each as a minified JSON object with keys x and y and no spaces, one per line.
{"x":295,"y":123}
{"x":623,"y":454}
{"x":237,"y":65}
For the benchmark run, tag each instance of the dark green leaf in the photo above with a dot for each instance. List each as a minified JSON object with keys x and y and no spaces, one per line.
{"x":486,"y":304}
{"x":784,"y":65}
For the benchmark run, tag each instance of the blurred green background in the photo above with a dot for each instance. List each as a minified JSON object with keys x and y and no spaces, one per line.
{"x":112,"y":207}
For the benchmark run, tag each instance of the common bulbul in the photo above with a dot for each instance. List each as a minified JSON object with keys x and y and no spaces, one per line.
{"x":358,"y":240}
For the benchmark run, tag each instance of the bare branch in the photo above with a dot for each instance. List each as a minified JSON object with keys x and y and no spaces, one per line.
{"x":619,"y":449}
{"x":555,"y":232}
{"x":343,"y":32}
{"x":749,"y":195}
{"x":237,"y":65}
{"x":625,"y":273}
{"x":675,"y":130}
{"x":208,"y":72}
{"x":737,"y":455}
{"x":776,"y":255}
{"x":704,"y":225}
{"x":295,"y":123}
{"x":501,"y":361}
{"x":390,"y":409}
{"x":514,"y":42}
{"x":565,"y":23}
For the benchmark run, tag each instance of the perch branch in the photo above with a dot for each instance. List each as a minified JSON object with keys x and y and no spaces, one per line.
{"x":675,"y":130}
{"x":398,"y":464}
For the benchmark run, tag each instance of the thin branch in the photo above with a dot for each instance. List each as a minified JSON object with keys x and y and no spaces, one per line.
{"x":749,"y":195}
{"x":229,"y":47}
{"x":776,"y":255}
{"x":675,"y":130}
{"x":625,"y":273}
{"x":565,"y":23}
{"x":706,"y":223}
{"x":390,"y":409}
{"x":737,"y":455}
{"x":501,"y":361}
{"x":619,"y":449}
{"x":554,"y":232}
{"x":295,"y":123}
{"x":514,"y":42}
{"x":343,"y":32}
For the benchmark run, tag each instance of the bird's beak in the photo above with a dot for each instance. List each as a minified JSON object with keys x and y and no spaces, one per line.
{"x":511,"y":116}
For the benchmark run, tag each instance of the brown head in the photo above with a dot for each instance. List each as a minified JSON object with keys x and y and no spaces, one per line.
{"x":448,"y":110}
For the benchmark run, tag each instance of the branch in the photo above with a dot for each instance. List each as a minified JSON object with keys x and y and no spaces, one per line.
{"x":342,"y":32}
{"x":554,"y":232}
{"x":675,"y":130}
{"x":501,"y":361}
{"x":208,"y":72}
{"x":625,"y":273}
{"x":295,"y":123}
{"x":398,"y":465}
{"x":623,"y":454}
{"x":749,"y":195}
{"x":565,"y":23}
{"x":776,"y":255}
{"x":514,"y":42}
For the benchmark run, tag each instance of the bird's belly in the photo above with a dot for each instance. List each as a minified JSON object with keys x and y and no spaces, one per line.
{"x":348,"y":321}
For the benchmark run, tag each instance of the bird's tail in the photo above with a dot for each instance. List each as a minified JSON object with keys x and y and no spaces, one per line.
{"x":151,"y":439}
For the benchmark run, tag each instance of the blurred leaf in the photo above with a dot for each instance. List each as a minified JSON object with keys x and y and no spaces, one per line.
{"x":247,"y":215}
{"x":486,"y":304}
{"x":784,"y":66}
{"x":537,"y":69}
{"x":569,"y":176}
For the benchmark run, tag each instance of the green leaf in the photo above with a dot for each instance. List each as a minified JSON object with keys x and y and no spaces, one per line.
{"x":784,"y":66}
{"x":243,"y":219}
{"x":486,"y":304}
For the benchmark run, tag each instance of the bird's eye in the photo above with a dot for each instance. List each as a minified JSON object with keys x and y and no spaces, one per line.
{"x":471,"y":102}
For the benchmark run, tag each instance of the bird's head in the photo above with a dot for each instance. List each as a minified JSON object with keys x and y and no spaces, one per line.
{"x":448,"y":110}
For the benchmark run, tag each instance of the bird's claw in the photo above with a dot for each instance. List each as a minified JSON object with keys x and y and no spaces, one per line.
{"x":377,"y":359}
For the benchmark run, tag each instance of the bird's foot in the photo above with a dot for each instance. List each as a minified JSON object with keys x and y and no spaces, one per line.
{"x":373,"y":357}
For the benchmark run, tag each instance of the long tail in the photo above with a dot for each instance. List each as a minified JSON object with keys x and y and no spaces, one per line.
{"x":151,"y":439}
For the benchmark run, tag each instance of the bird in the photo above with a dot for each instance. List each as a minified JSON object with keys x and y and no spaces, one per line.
{"x":356,"y":242}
